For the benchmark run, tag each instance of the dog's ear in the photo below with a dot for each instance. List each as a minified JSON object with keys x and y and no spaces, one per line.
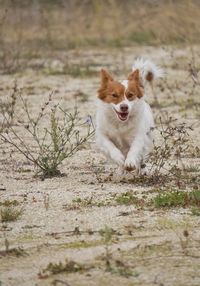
{"x":135,"y":75}
{"x":105,"y":77}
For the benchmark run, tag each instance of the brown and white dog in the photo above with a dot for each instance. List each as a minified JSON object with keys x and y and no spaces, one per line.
{"x":124,"y":120}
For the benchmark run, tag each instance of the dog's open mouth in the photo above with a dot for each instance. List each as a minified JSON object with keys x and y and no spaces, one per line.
{"x":122,"y":115}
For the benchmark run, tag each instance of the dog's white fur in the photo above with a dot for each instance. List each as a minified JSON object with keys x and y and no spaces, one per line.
{"x":128,"y":142}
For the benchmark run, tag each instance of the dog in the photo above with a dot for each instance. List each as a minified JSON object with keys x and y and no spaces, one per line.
{"x":124,"y":120}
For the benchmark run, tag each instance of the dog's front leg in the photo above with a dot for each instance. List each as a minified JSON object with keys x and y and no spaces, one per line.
{"x":135,"y":155}
{"x":109,"y":148}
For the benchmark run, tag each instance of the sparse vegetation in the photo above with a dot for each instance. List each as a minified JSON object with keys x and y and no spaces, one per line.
{"x":11,"y":251}
{"x":117,"y":267}
{"x":106,"y":29}
{"x":172,"y":198}
{"x":88,"y":202}
{"x":168,"y":153}
{"x":69,"y":266}
{"x":195,"y":211}
{"x":10,"y":213}
{"x":54,"y":142}
{"x":17,"y":252}
{"x":51,"y":53}
{"x":9,"y":203}
{"x":128,"y":199}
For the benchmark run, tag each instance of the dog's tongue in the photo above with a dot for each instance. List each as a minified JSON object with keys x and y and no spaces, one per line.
{"x":123,"y":115}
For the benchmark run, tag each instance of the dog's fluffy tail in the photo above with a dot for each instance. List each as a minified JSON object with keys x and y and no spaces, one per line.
{"x":148,"y":70}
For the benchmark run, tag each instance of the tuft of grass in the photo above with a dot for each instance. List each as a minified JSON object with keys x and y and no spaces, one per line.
{"x":121,"y":269}
{"x":9,"y":203}
{"x":82,"y":244}
{"x":84,"y":202}
{"x":88,"y":202}
{"x":69,"y":266}
{"x":171,"y":199}
{"x":117,"y":267}
{"x":195,"y":211}
{"x":128,"y":199}
{"x":107,"y":234}
{"x":10,"y":213}
{"x":194,"y":196}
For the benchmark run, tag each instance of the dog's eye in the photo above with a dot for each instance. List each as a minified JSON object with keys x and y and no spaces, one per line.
{"x":130,"y":95}
{"x":114,"y":95}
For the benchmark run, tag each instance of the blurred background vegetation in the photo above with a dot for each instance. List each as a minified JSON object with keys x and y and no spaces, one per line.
{"x":64,"y":24}
{"x":31,"y":27}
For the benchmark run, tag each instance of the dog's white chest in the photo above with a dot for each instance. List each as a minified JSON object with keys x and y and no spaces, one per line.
{"x":122,"y":137}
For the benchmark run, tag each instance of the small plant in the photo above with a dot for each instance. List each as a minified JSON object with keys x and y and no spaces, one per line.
{"x":195,"y":211}
{"x":127,"y":199}
{"x":9,"y":203}
{"x":121,"y":269}
{"x":10,"y":213}
{"x":194,"y":197}
{"x":69,"y":266}
{"x":89,"y":202}
{"x":177,"y":198}
{"x":167,"y":154}
{"x":53,"y":138}
{"x":84,"y":202}
{"x":117,"y":267}
{"x":171,"y":199}
{"x":107,"y":235}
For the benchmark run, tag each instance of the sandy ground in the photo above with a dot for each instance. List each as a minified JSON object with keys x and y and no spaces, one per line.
{"x":148,"y":245}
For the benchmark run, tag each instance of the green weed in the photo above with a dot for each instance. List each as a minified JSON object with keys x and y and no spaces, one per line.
{"x":195,"y":211}
{"x":128,"y":199}
{"x":177,"y":198}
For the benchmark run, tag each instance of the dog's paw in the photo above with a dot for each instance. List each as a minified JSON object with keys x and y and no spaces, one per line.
{"x":120,"y":171}
{"x":142,"y":172}
{"x":131,"y":164}
{"x":118,"y":157}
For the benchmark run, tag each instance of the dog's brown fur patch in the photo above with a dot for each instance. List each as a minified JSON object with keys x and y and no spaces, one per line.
{"x":112,"y":91}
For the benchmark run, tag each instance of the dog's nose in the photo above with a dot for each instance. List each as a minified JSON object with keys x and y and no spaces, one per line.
{"x":124,"y":107}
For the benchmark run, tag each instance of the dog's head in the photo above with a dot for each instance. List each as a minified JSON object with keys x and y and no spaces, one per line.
{"x":121,"y":95}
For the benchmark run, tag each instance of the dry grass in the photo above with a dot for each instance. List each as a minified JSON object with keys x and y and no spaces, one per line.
{"x":71,"y":24}
{"x":31,"y":30}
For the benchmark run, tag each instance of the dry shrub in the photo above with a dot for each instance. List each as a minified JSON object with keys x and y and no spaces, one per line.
{"x":170,"y":149}
{"x":49,"y":139}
